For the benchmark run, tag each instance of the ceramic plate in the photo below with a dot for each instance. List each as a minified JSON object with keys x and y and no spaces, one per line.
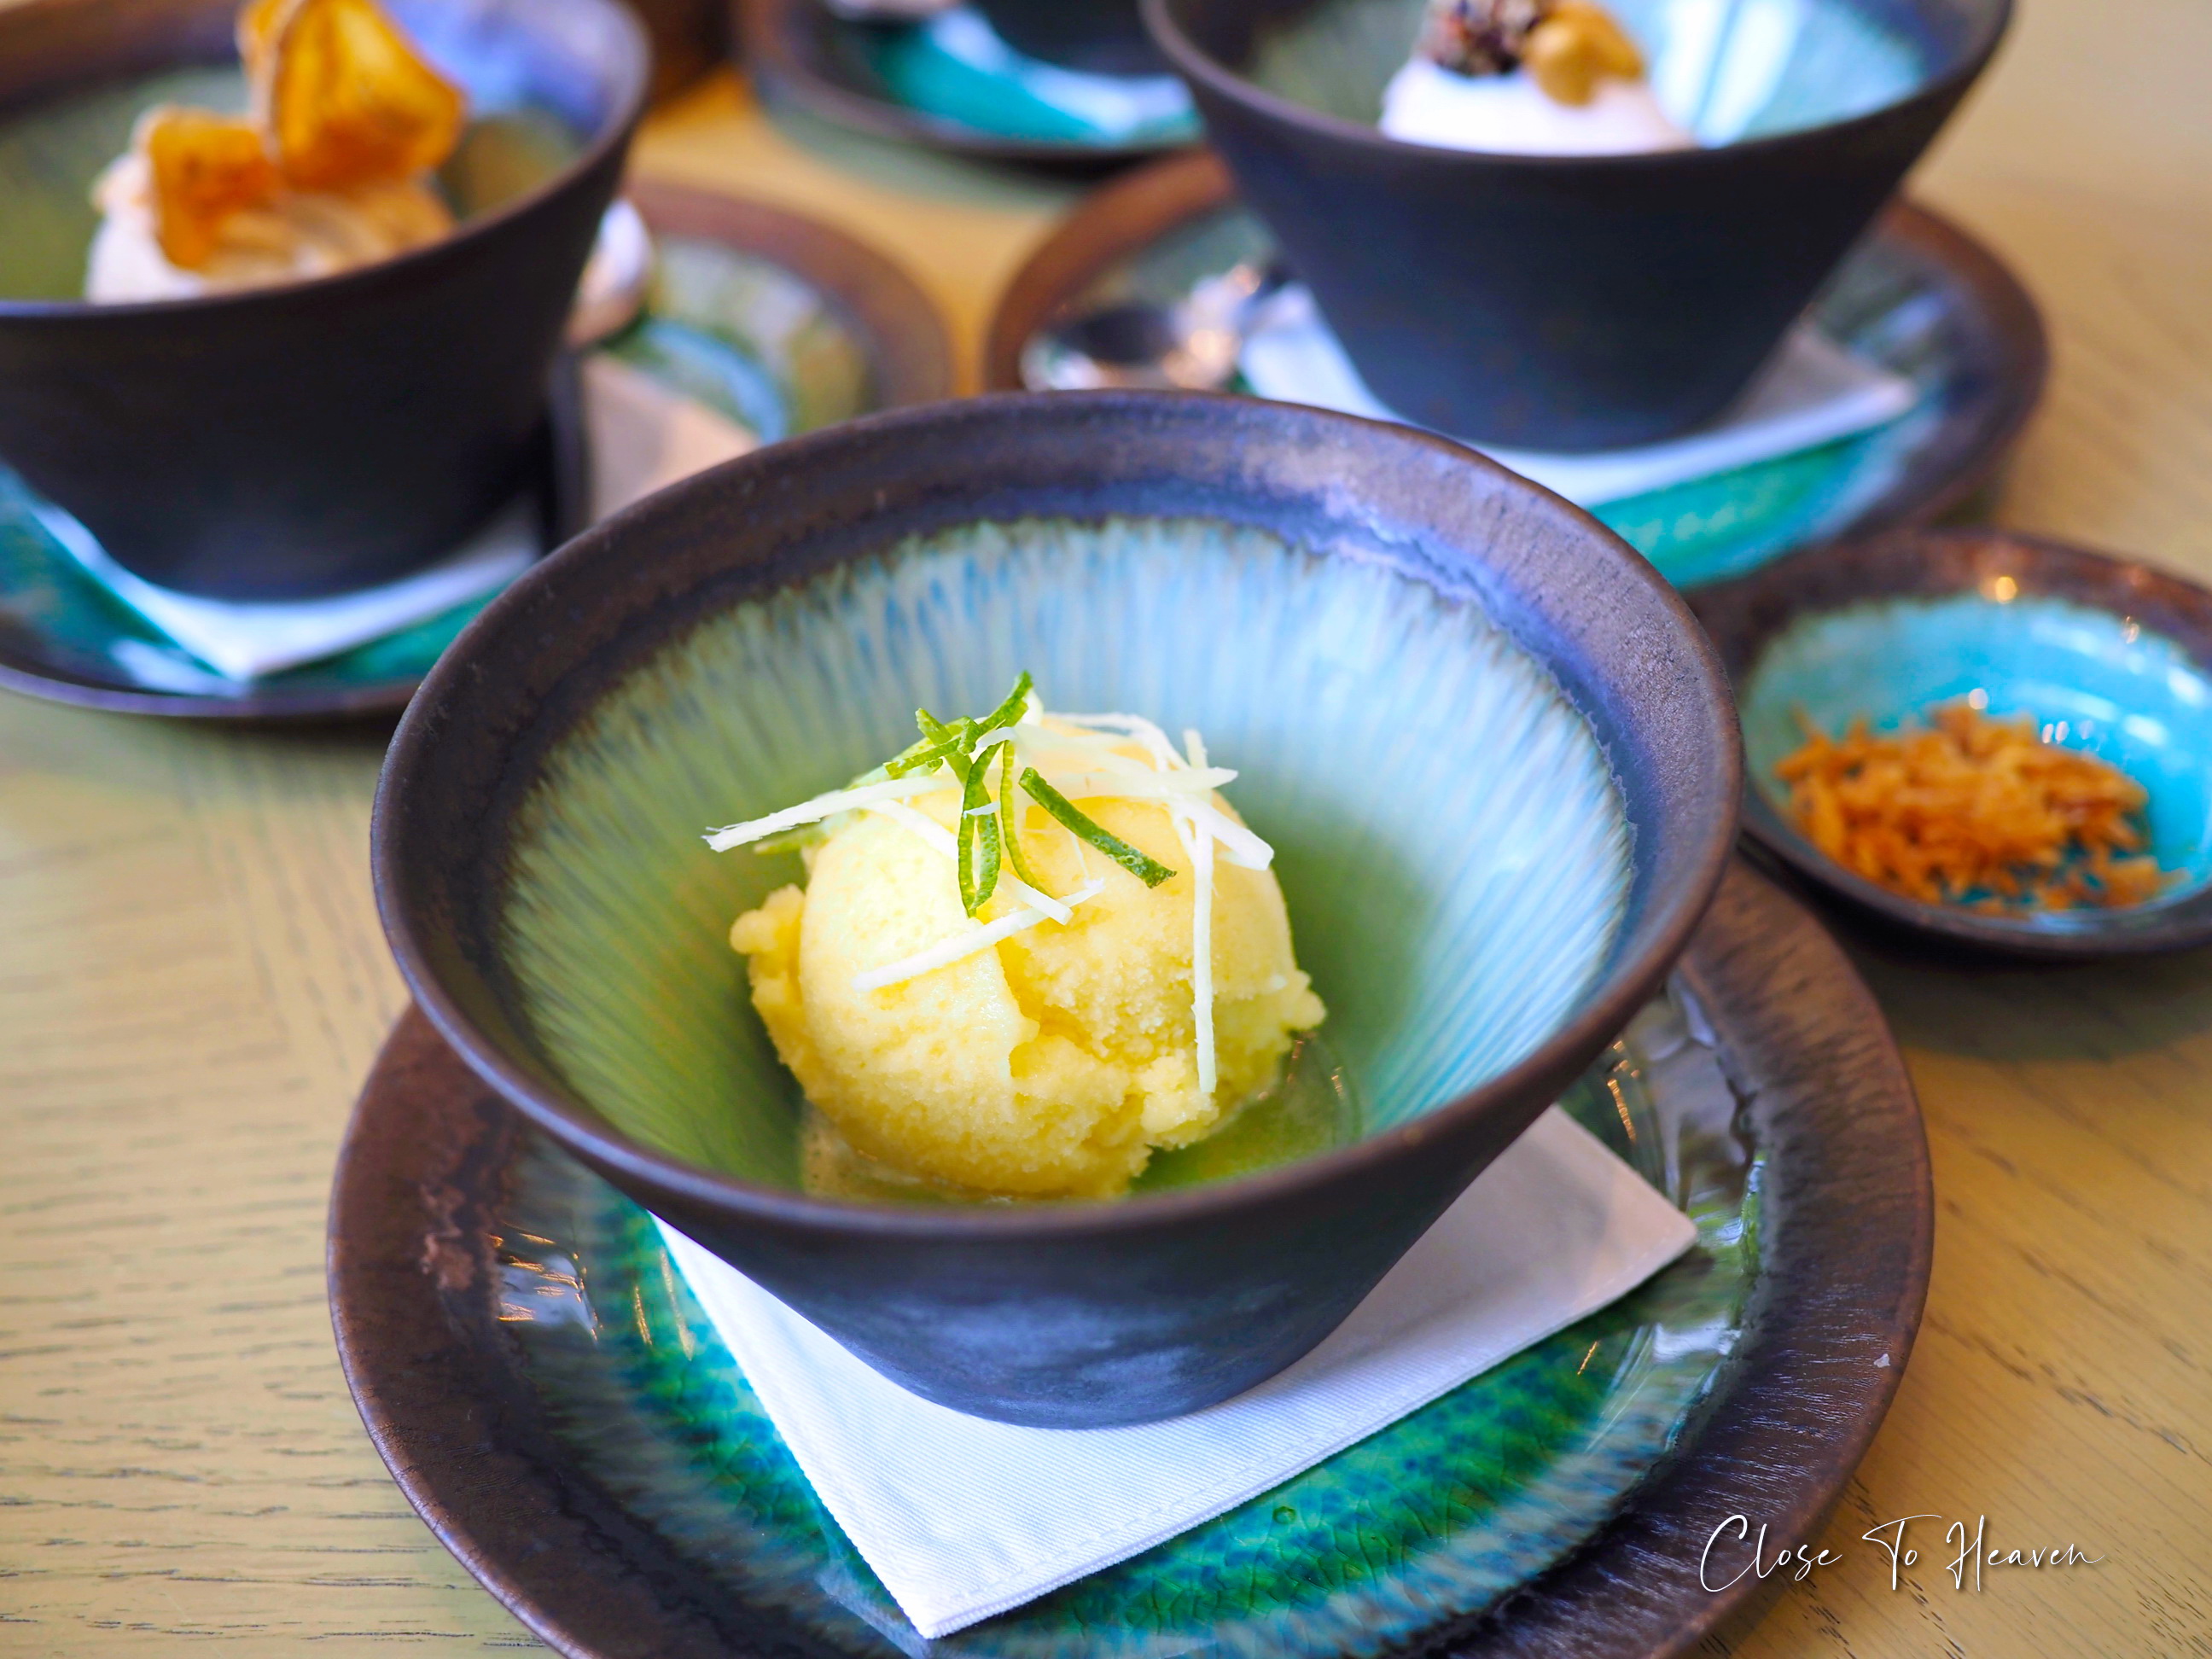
{"x":551,"y":1400}
{"x":781,"y":324}
{"x":1918,"y":297}
{"x":882,"y":79}
{"x":2109,"y":655}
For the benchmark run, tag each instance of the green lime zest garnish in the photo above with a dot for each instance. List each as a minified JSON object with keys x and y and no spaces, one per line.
{"x":1148,"y":870}
{"x":1009,"y":712}
{"x":1009,"y":808}
{"x":978,"y":840}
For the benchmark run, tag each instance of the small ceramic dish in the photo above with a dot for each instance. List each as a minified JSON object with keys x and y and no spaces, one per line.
{"x":1917,"y":298}
{"x":896,"y":81}
{"x":625,"y":1493}
{"x":314,"y":437}
{"x":2109,"y":656}
{"x":1576,"y":302}
{"x":1492,"y":750}
{"x":777,"y":322}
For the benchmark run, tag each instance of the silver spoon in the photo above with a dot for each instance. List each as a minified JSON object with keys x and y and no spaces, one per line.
{"x":1191,"y":345}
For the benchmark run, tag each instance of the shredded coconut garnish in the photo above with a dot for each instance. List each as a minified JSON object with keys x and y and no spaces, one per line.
{"x":1055,"y":760}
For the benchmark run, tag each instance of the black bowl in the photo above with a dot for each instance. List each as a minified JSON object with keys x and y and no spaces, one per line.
{"x":1560,"y":302}
{"x":1104,"y":36}
{"x":1061,"y":1315}
{"x":304,"y":440}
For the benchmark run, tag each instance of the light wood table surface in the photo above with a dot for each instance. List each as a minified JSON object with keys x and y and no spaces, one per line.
{"x":193,"y":985}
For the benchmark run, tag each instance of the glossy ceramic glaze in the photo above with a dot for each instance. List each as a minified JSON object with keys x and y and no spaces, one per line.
{"x":317,"y":436}
{"x":623,"y":1493}
{"x":2110,"y":657}
{"x":1489,"y":746}
{"x":780,"y":323}
{"x":1918,"y":297}
{"x":1567,"y":303}
{"x":896,"y":81}
{"x":1105,"y":36}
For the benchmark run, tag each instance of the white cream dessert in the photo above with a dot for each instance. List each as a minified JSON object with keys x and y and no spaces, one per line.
{"x":332,"y":168}
{"x":294,"y":236}
{"x":1536,"y":77}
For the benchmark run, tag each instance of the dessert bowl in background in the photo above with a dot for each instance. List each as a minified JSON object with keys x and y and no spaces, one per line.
{"x":1587,"y":302}
{"x":1495,"y":756}
{"x":306,"y":439}
{"x":1106,"y":37}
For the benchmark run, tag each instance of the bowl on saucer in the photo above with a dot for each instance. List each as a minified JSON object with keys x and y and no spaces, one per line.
{"x":1495,"y":756}
{"x":1575,"y":302}
{"x":2107,"y":655}
{"x":303,"y":440}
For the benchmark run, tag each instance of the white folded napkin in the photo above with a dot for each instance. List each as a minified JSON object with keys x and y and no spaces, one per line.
{"x":963,"y":1518}
{"x":1813,"y":392}
{"x":642,"y":435}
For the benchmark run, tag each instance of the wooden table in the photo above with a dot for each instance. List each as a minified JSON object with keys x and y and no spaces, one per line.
{"x":193,"y":984}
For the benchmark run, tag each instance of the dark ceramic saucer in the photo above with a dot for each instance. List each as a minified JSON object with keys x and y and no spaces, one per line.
{"x":802,"y":55}
{"x":554,"y":1404}
{"x":782,"y":324}
{"x":1919,"y":297}
{"x":2110,"y":655}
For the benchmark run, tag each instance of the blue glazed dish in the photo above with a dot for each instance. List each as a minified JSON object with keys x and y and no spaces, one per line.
{"x":1495,"y":757}
{"x":2109,"y":657}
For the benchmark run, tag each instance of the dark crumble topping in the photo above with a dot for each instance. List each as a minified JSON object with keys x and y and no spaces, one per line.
{"x":1480,"y":37}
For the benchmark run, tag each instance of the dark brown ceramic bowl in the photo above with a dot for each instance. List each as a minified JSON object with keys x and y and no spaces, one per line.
{"x":2109,"y":655}
{"x":324,"y":435}
{"x":1545,"y":301}
{"x":1103,"y":36}
{"x":1364,"y":599}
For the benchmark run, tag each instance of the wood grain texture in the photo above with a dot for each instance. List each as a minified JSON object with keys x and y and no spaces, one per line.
{"x":193,"y":985}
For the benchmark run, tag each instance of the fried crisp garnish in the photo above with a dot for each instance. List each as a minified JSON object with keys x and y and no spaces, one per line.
{"x":201,"y":168}
{"x":344,"y":97}
{"x":1576,"y":45}
{"x":1974,"y":811}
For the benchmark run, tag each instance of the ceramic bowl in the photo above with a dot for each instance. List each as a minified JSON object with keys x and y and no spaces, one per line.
{"x":1494,"y":753}
{"x":1103,"y":36}
{"x":1576,"y":302}
{"x":2109,"y":656}
{"x":324,"y":435}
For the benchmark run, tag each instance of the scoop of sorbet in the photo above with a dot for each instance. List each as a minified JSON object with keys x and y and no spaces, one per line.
{"x":1051,"y":1065}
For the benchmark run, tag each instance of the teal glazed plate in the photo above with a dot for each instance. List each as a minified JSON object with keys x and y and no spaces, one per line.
{"x":2109,"y":656}
{"x":778,"y":323}
{"x":1918,"y":297}
{"x":951,"y":84}
{"x":552,"y":1400}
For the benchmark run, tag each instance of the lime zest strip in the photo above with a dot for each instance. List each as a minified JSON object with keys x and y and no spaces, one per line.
{"x":1009,"y":808}
{"x":979,"y":840}
{"x":1146,"y":869}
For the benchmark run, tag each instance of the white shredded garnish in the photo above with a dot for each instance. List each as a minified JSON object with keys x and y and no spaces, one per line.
{"x":821,"y":807}
{"x":961,"y":946}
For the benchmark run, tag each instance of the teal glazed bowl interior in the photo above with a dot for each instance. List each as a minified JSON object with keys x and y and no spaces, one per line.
{"x":1577,"y":302}
{"x":1494,"y":755}
{"x":311,"y":437}
{"x":2108,"y":657}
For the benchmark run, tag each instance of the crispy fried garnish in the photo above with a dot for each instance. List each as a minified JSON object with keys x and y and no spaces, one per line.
{"x":201,"y":168}
{"x":344,"y":97}
{"x":1576,"y":46}
{"x":1974,"y":811}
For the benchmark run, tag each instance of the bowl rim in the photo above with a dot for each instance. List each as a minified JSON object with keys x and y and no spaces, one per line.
{"x":1622,"y":986}
{"x":1747,"y":615}
{"x":634,"y":77}
{"x":1201,"y":67}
